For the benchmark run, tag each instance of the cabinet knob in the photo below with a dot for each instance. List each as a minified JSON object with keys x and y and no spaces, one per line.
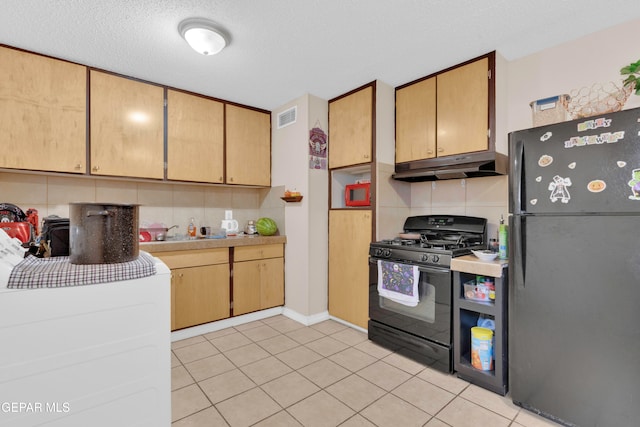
{"x":95,"y":168}
{"x":220,"y":179}
{"x":440,"y":150}
{"x":366,"y":156}
{"x":429,"y":151}
{"x":78,"y":167}
{"x":230,"y":179}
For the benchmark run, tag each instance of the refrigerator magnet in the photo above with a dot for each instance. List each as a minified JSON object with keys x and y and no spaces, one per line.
{"x":559,"y":189}
{"x":545,"y":160}
{"x":635,"y":184}
{"x":596,"y":186}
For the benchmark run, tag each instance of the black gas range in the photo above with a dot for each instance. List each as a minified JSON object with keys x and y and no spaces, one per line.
{"x":434,"y":240}
{"x":422,"y":331}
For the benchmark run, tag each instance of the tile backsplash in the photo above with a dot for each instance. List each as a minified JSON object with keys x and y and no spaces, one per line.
{"x":166,"y":203}
{"x":485,"y":197}
{"x":175,"y":203}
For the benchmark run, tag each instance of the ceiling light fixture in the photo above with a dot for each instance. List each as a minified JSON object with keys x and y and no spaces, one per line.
{"x":202,"y":36}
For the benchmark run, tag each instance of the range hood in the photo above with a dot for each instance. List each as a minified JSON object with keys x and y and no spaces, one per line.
{"x":453,"y":167}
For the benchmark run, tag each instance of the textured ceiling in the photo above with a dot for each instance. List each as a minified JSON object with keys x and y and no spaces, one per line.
{"x":282,"y":49}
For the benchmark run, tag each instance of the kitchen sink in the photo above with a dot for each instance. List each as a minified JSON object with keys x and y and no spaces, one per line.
{"x":177,"y":238}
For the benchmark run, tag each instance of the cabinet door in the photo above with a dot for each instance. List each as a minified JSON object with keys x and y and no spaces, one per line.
{"x":246,"y":287}
{"x":271,"y":283}
{"x":349,"y":239}
{"x":127,"y":127}
{"x":173,"y":301}
{"x":463,"y":109}
{"x":257,"y":285}
{"x":201,"y":294}
{"x":351,"y":129}
{"x":248,"y":146}
{"x":195,"y":138}
{"x":43,"y":113}
{"x":416,"y":121}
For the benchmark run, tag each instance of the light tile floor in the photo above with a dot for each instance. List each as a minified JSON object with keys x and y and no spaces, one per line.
{"x":278,"y":372}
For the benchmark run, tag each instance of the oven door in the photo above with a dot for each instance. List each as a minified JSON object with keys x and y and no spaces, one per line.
{"x":430,"y":319}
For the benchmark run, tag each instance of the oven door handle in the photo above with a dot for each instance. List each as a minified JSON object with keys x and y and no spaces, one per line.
{"x":420,"y":268}
{"x":434,"y":270}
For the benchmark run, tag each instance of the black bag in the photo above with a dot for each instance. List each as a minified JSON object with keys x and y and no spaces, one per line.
{"x":55,"y":236}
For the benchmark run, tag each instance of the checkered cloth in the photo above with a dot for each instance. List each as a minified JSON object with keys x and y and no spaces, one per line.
{"x":56,"y":272}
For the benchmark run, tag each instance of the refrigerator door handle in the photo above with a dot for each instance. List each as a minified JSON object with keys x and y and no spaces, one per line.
{"x":516,"y":154}
{"x":517,"y":247}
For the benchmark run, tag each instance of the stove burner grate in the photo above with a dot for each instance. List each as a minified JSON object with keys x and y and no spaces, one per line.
{"x":400,"y":242}
{"x":449,"y":241}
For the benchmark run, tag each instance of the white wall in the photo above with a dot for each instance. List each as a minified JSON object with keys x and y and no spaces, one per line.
{"x":393,"y":198}
{"x":595,"y":58}
{"x":318,"y":242}
{"x":306,"y":222}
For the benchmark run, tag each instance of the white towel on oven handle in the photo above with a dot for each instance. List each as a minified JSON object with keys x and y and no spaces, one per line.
{"x":399,"y":297}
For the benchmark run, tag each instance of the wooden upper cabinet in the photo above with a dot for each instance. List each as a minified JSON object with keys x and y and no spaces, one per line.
{"x":195,"y":138}
{"x":248,"y":146}
{"x":446,"y":114}
{"x":351,"y":128}
{"x":416,"y":121}
{"x":463,"y":109}
{"x":42,"y":113}
{"x":127,"y":127}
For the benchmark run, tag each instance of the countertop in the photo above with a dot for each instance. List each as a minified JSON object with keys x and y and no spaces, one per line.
{"x":471,"y":264}
{"x":231,"y":241}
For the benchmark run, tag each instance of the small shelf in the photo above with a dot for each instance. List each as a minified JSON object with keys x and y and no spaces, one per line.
{"x":292,"y":199}
{"x":467,"y":312}
{"x":478,"y":306}
{"x":342,"y":177}
{"x":465,"y":361}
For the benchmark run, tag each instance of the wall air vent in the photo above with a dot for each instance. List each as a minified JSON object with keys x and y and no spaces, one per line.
{"x":287,"y":117}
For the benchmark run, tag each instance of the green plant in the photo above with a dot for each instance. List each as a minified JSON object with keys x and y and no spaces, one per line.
{"x":632,"y":71}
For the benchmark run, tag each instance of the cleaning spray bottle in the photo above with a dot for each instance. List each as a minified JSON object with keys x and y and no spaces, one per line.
{"x":502,"y":239}
{"x":191,"y":229}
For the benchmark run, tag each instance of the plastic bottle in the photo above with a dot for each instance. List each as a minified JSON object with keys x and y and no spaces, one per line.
{"x":192,"y":228}
{"x":502,"y":239}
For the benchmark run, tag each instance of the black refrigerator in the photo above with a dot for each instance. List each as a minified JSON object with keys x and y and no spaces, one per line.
{"x":574,"y":268}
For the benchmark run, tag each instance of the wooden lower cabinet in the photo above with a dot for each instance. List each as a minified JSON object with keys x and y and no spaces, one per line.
{"x":349,"y":239}
{"x":201,"y":295}
{"x":201,"y":282}
{"x":258,"y":278}
{"x":200,"y":291}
